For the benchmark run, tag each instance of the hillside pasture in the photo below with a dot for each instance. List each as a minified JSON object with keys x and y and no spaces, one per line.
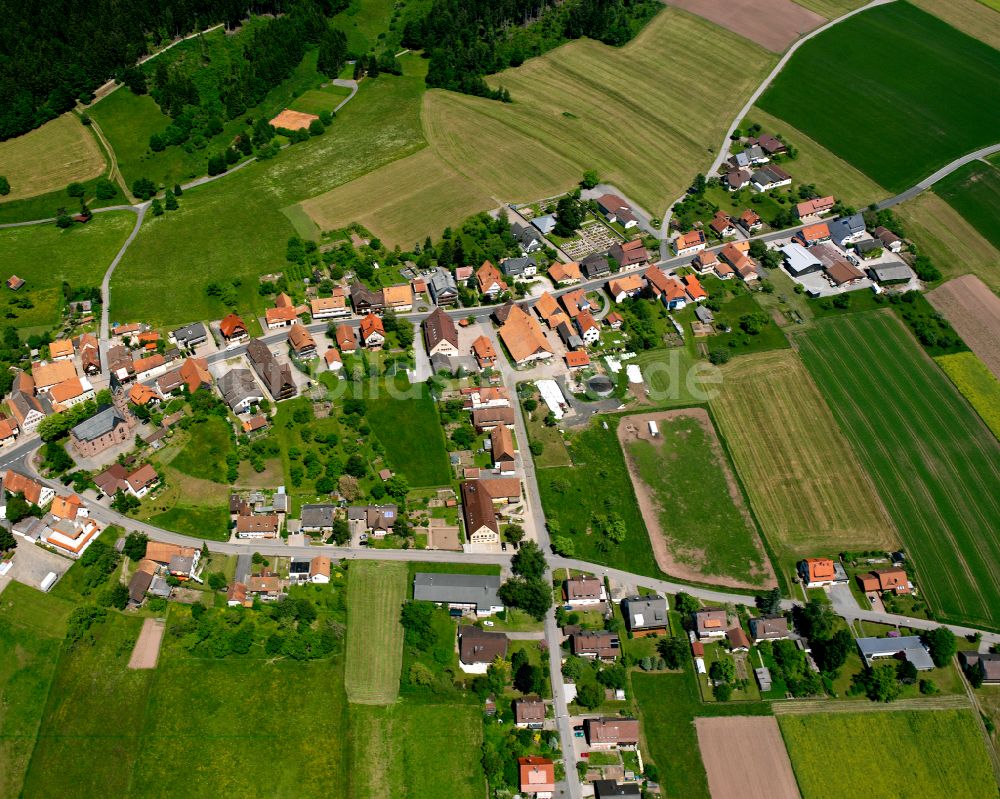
{"x":974,"y":191}
{"x":956,"y":247}
{"x":699,"y":526}
{"x":933,"y":753}
{"x":933,"y":461}
{"x":897,"y":68}
{"x":49,"y":158}
{"x":402,"y":202}
{"x":793,"y":460}
{"x":974,"y":312}
{"x":568,"y":113}
{"x":773,"y":24}
{"x":375,"y":594}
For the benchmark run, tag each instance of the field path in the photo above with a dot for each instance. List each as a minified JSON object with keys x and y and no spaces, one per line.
{"x":802,"y":707}
{"x":115,"y":174}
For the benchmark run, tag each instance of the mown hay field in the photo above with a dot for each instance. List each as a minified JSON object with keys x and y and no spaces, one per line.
{"x":402,"y":202}
{"x":974,"y":191}
{"x":646,"y":116}
{"x":977,"y":384}
{"x":375,"y":594}
{"x":932,"y":752}
{"x":808,"y":490}
{"x":817,"y":165}
{"x":51,"y":157}
{"x":954,"y":245}
{"x":896,"y":70}
{"x":933,"y":461}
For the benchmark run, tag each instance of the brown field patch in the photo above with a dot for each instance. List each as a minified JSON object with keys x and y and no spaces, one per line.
{"x":974,"y":311}
{"x":773,"y":24}
{"x":745,"y":758}
{"x":636,"y":428}
{"x":293,"y":120}
{"x":49,"y":158}
{"x":147,"y":647}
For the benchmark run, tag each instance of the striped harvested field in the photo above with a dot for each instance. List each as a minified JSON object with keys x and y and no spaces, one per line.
{"x":806,"y":487}
{"x":933,"y":461}
{"x":646,"y":116}
{"x":375,"y":594}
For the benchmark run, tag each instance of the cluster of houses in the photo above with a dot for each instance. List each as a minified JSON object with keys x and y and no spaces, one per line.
{"x":257,"y":515}
{"x":65,"y":525}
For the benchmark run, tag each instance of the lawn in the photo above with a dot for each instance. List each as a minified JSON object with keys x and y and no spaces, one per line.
{"x":933,"y":461}
{"x":685,"y":77}
{"x":890,"y":71}
{"x":668,"y":705}
{"x":974,"y":191}
{"x":817,"y":165}
{"x":933,"y":753}
{"x":89,"y":739}
{"x":702,"y":513}
{"x":738,"y":341}
{"x":45,"y":256}
{"x":49,"y":158}
{"x":375,"y":594}
{"x":411,"y":432}
{"x":206,"y":523}
{"x":299,"y":709}
{"x":31,"y":629}
{"x":977,"y":384}
{"x":316,"y":101}
{"x":955,"y":246}
{"x":794,"y":462}
{"x":674,"y":377}
{"x":413,"y":750}
{"x":570,"y":500}
{"x":204,"y":454}
{"x":197,"y":244}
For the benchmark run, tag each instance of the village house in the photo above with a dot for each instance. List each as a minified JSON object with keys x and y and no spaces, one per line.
{"x":548,"y":310}
{"x":33,"y":491}
{"x":904,"y":647}
{"x":477,"y":397}
{"x":622,"y":288}
{"x":537,"y":776}
{"x":595,"y":265}
{"x":317,"y":518}
{"x":236,"y":595}
{"x":690,"y":243}
{"x":645,"y":615}
{"x":233,"y":329}
{"x":47,"y":375}
{"x":485,"y":419}
{"x":484,"y":352}
{"x":811,"y":210}
{"x":477,"y":649}
{"x":590,"y":331}
{"x":301,"y":342}
{"x":442,"y":287}
{"x":813,"y":234}
{"x":141,"y":481}
{"x":366,"y":301}
{"x":522,"y":266}
{"x":737,"y":639}
{"x":70,"y":392}
{"x":239,"y":390}
{"x":69,"y":536}
{"x":107,"y":428}
{"x":769,"y":628}
{"x":398,"y":298}
{"x":481,"y":525}
{"x":629,"y":254}
{"x":889,"y":240}
{"x":614,"y":320}
{"x":90,"y":354}
{"x":770,"y":144}
{"x":282,"y":315}
{"x":597,"y":644}
{"x":847,"y":229}
{"x":843,"y":273}
{"x":769,"y":177}
{"x":820,"y":572}
{"x":440,"y":334}
{"x":189,"y":336}
{"x":309,"y":570}
{"x":9,"y":432}
{"x":528,"y":238}
{"x":710,"y":623}
{"x":263,"y":526}
{"x":545,"y":224}
{"x":502,"y":449}
{"x":346,"y":341}
{"x":693,"y":288}
{"x":333,"y":360}
{"x":750,"y":221}
{"x":334,"y":307}
{"x":523,"y":337}
{"x":583,"y":590}
{"x":736,"y":179}
{"x":375,"y":520}
{"x":529,"y":712}
{"x":575,"y":302}
{"x":276,"y":377}
{"x":735,"y":254}
{"x":149,"y":367}
{"x":565,"y":274}
{"x":372,"y":332}
{"x":609,"y":789}
{"x":615,"y":209}
{"x":61,"y":350}
{"x":266,"y":587}
{"x":490,"y":281}
{"x":722,"y":225}
{"x":987,"y":663}
{"x":181,"y":562}
{"x":879,"y":580}
{"x":611,"y":733}
{"x":474,"y":593}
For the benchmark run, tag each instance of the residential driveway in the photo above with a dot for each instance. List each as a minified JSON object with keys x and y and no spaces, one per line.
{"x":843,"y":601}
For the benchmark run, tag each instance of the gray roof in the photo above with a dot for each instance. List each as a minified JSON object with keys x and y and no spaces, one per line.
{"x":609,"y":788}
{"x":193,"y":332}
{"x":101,"y":423}
{"x":159,"y":587}
{"x":909,"y":646}
{"x":595,"y":265}
{"x":460,"y":589}
{"x":645,"y":611}
{"x":442,"y":281}
{"x":238,"y":385}
{"x":317,"y":516}
{"x":516,"y":266}
{"x":846,"y":226}
{"x":704,"y":314}
{"x":299,"y":566}
{"x":890,"y":272}
{"x":546,"y":223}
{"x":525,"y":234}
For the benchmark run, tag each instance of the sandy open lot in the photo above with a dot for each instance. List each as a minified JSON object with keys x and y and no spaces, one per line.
{"x":745,"y":758}
{"x":147,"y":647}
{"x":974,"y":311}
{"x":773,"y":24}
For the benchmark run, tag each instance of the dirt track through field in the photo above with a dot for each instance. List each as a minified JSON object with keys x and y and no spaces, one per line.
{"x":745,"y":758}
{"x":147,"y":647}
{"x":974,"y":311}
{"x":636,"y":427}
{"x":773,"y":24}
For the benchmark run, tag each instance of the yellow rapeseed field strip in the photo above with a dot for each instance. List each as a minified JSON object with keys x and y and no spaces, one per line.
{"x":402,"y":202}
{"x":375,"y":594}
{"x":956,"y":247}
{"x":977,"y":384}
{"x":56,"y":154}
{"x":647,"y":116}
{"x":806,"y":486}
